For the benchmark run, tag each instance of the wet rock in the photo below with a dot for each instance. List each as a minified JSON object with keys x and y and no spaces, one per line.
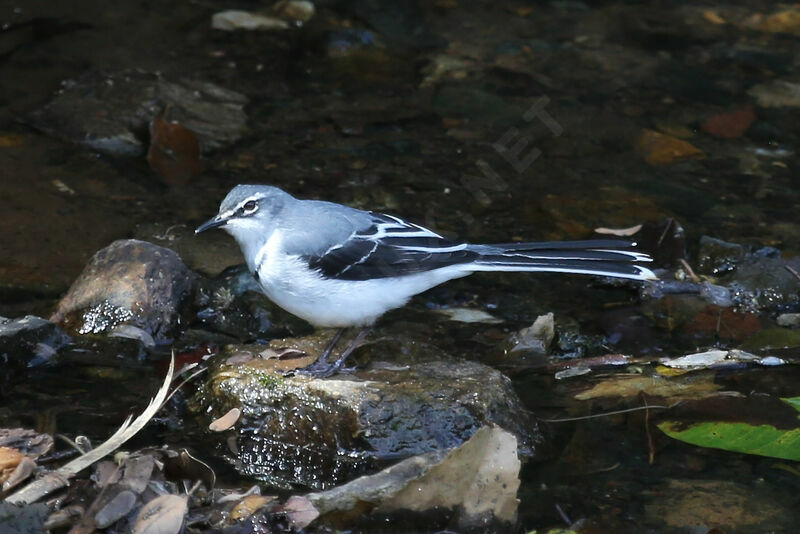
{"x":787,"y":21}
{"x":29,"y":341}
{"x":776,"y":94}
{"x":111,"y":113}
{"x":788,"y":319}
{"x":321,"y":432}
{"x":538,"y":336}
{"x":245,"y":20}
{"x":233,"y":304}
{"x":765,"y":282}
{"x":131,"y":283}
{"x":527,"y":347}
{"x":443,"y":67}
{"x":296,"y":11}
{"x":717,"y":256}
{"x":473,"y":486}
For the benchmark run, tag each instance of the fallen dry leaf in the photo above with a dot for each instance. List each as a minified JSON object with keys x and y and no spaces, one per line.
{"x":226,"y":421}
{"x":621,"y":232}
{"x":174,"y":151}
{"x":729,"y":125}
{"x":631,"y":386}
{"x":9,"y":460}
{"x":250,"y":505}
{"x":162,"y":515}
{"x":660,"y":149}
{"x":24,"y":469}
{"x":300,"y":511}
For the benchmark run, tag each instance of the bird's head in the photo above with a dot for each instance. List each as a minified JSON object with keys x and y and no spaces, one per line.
{"x":248,"y":211}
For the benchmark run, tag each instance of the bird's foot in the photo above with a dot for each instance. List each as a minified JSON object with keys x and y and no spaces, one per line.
{"x":324,"y":369}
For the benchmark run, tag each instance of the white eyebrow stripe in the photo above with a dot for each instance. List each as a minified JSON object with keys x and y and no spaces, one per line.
{"x":256,"y":197}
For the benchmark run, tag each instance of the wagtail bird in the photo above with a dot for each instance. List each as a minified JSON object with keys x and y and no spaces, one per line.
{"x":337,"y":266}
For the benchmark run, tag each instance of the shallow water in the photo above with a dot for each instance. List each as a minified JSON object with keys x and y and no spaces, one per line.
{"x":488,"y":121}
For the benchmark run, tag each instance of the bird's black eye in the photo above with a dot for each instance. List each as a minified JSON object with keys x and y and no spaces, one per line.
{"x":250,"y":205}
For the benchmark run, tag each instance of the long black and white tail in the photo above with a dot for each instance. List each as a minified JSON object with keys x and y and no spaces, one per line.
{"x":601,"y":257}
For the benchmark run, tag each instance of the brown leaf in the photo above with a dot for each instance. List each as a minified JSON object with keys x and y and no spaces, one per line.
{"x":182,"y":466}
{"x":729,"y":125}
{"x":9,"y":460}
{"x":724,"y":323}
{"x":250,"y":505}
{"x":174,"y":152}
{"x":660,"y":149}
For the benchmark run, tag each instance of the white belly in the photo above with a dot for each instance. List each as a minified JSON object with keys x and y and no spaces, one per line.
{"x":290,"y":284}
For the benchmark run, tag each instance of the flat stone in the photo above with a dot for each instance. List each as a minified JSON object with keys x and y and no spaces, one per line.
{"x":322,"y":432}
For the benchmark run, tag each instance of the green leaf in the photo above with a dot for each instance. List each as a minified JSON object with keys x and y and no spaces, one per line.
{"x":749,"y":438}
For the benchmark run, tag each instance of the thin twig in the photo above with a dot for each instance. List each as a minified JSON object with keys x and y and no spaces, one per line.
{"x":663,"y":235}
{"x":564,"y":517}
{"x":793,"y":271}
{"x":696,"y":279}
{"x":606,"y":414}
{"x":651,"y":457}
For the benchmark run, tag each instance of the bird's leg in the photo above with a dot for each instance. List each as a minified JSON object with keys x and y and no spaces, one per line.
{"x":337,"y":365}
{"x":321,"y":368}
{"x":323,"y":358}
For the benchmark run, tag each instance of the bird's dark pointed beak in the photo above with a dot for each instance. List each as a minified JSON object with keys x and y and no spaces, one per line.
{"x":213,"y":222}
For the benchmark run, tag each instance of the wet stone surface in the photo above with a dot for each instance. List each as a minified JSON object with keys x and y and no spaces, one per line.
{"x":320,"y":432}
{"x":29,"y":340}
{"x":129,"y":283}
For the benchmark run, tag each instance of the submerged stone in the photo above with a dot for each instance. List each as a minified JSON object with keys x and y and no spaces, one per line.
{"x":110,"y":113}
{"x":717,"y":256}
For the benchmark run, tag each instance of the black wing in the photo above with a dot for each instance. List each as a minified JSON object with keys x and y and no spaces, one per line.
{"x":389,"y":247}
